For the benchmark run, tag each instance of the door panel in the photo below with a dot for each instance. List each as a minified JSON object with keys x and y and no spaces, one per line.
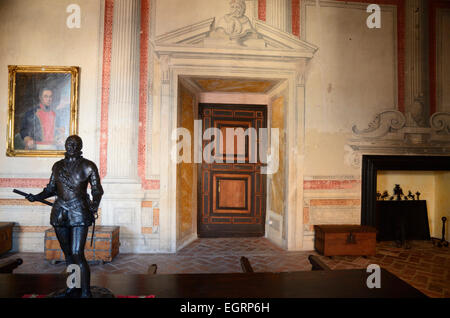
{"x":232,"y":193}
{"x":237,"y":151}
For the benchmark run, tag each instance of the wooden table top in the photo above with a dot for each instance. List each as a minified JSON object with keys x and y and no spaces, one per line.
{"x":305,"y":284}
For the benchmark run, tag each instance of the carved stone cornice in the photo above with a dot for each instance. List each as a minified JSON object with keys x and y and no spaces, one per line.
{"x":391,"y":132}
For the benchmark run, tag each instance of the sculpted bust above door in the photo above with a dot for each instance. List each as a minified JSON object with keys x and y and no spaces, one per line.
{"x":235,"y":26}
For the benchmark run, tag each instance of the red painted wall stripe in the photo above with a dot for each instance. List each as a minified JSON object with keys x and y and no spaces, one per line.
{"x":106,"y":75}
{"x":331,"y":202}
{"x":330,"y":184}
{"x":295,"y":7}
{"x":262,"y":10}
{"x":23,"y":183}
{"x":434,"y":6}
{"x":143,"y":96}
{"x":143,"y":87}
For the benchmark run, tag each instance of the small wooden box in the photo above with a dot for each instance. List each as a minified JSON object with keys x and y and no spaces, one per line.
{"x":104,"y":247}
{"x":5,"y":236}
{"x":332,"y":240}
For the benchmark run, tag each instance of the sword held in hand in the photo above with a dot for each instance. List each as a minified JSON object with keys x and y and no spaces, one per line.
{"x":51,"y":204}
{"x":36,"y":199}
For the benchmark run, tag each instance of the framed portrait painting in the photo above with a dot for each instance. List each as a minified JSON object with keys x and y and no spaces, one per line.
{"x":43,"y":109}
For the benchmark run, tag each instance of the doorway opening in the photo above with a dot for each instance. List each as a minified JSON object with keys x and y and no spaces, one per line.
{"x":229,"y":199}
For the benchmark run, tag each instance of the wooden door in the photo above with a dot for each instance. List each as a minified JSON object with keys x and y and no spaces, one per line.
{"x":232,"y":194}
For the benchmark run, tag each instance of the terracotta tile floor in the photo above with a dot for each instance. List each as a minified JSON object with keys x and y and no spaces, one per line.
{"x":423,"y":266}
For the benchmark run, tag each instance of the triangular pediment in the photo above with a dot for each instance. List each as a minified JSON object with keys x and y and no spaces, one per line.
{"x":189,"y":35}
{"x":276,"y":38}
{"x":266,"y":41}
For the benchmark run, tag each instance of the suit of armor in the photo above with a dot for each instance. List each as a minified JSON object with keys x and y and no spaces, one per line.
{"x":73,"y":212}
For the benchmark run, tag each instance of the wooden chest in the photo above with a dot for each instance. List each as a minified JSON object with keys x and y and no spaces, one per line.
{"x":331,"y":240}
{"x":5,"y":236}
{"x":104,"y":247}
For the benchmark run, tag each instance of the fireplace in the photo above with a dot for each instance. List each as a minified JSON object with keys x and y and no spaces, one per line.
{"x":371,"y":164}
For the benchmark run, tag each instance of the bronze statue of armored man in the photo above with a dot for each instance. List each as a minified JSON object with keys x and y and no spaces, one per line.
{"x":73,"y":211}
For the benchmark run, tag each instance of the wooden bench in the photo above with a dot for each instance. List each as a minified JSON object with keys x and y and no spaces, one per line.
{"x":104,"y":248}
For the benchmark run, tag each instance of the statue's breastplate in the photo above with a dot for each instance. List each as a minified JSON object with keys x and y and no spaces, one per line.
{"x":70,"y":179}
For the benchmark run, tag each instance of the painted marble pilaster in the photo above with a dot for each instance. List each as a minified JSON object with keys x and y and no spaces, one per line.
{"x":299,"y":161}
{"x":415,"y":102}
{"x":121,"y":203}
{"x":438,"y":26}
{"x":123,"y":112}
{"x":443,"y":58}
{"x":167,"y":121}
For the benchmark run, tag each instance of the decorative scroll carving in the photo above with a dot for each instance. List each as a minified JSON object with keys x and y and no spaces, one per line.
{"x":440,"y":122}
{"x":391,"y":132}
{"x":384,"y":122}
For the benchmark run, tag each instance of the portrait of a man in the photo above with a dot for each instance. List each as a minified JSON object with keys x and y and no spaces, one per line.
{"x":42,"y":104}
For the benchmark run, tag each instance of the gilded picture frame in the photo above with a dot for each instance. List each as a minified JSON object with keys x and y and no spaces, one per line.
{"x":43,"y":109}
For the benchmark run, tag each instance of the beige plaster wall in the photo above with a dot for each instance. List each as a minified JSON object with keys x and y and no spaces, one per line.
{"x":351,"y":78}
{"x":35,"y":33}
